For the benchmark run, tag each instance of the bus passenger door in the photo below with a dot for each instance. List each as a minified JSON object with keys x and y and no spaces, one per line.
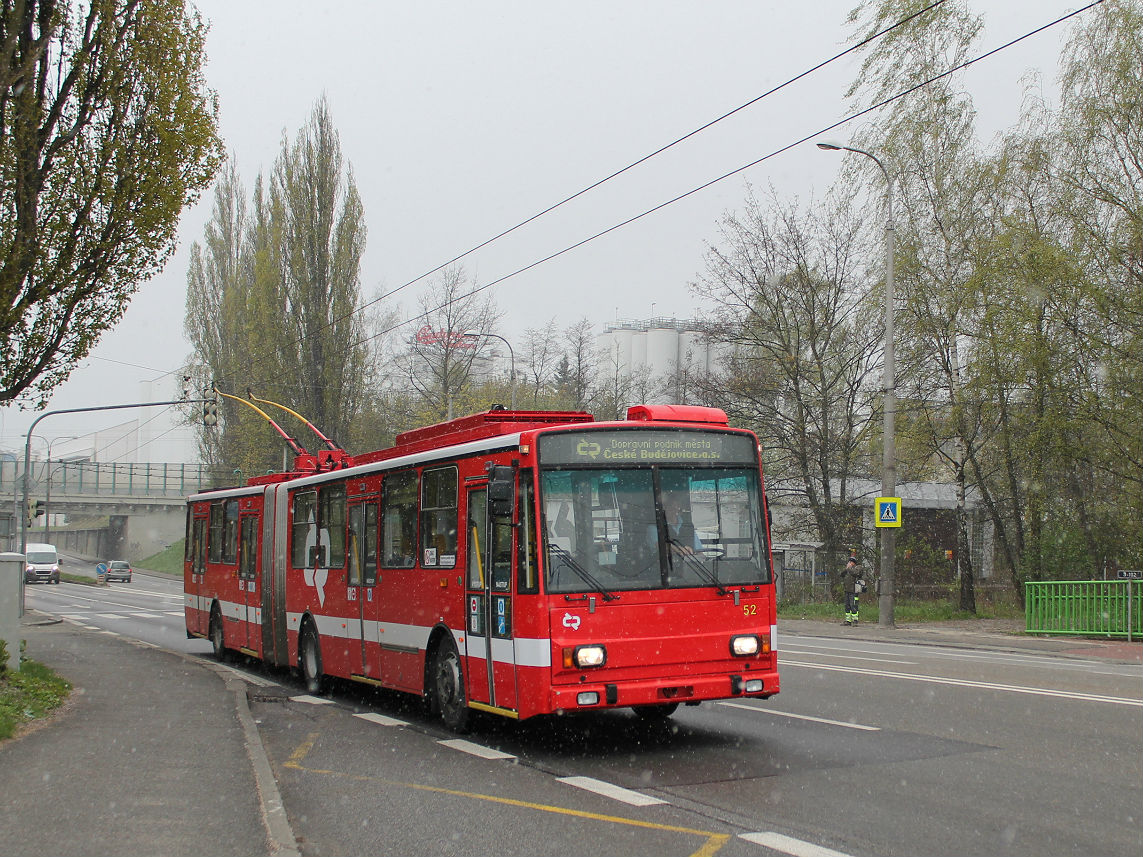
{"x":491,"y":672}
{"x":250,"y":637}
{"x":361,"y":580}
{"x":196,"y":616}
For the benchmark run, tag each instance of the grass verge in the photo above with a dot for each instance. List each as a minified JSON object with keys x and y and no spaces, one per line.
{"x":903,"y":611}
{"x":29,"y":693}
{"x":169,"y":561}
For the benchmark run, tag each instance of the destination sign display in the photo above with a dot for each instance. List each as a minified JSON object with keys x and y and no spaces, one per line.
{"x":609,"y":448}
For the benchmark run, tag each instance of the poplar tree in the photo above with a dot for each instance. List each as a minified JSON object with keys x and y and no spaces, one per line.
{"x":289,"y":325}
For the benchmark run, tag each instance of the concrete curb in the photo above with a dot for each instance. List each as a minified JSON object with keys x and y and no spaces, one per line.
{"x":282,"y":838}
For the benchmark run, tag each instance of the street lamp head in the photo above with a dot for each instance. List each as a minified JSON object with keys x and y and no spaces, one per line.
{"x":830,"y":146}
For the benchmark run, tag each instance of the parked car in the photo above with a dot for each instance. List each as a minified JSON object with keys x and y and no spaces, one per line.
{"x":118,"y":569}
{"x":42,"y":564}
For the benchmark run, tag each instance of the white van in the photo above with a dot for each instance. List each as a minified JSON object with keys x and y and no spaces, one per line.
{"x":42,"y":564}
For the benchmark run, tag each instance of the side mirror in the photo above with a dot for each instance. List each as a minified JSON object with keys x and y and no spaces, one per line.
{"x":501,"y":491}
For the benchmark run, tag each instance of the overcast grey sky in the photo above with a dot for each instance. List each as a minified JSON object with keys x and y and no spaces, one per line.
{"x":463,"y":119}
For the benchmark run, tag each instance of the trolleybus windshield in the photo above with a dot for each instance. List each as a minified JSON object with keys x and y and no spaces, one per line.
{"x":664,"y":517}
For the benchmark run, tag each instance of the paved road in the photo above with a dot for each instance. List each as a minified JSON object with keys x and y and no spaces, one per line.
{"x":878,"y":744}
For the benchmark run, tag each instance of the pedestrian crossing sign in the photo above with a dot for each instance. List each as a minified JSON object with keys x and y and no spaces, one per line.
{"x":888,"y":511}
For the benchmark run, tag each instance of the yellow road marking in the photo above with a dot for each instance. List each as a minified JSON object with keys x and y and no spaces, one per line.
{"x":714,"y":841}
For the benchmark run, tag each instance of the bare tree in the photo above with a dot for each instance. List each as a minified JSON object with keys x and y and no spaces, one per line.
{"x":791,"y":303}
{"x":438,"y":359}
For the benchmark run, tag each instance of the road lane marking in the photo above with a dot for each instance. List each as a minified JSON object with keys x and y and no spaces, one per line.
{"x":786,"y":651}
{"x":258,"y":681}
{"x":712,"y":841}
{"x":789,"y":845}
{"x":382,"y":720}
{"x":311,"y":700}
{"x":475,"y":749}
{"x":758,"y":710}
{"x":982,"y":685}
{"x":614,"y":792}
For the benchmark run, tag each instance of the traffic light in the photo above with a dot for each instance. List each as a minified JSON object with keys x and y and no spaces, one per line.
{"x":210,"y":413}
{"x":40,"y":509}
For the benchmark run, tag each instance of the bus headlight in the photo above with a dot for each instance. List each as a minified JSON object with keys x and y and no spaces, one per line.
{"x":585,"y":657}
{"x":745,"y":645}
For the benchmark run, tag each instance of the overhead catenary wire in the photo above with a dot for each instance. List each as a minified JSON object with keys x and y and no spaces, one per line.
{"x":700,"y":187}
{"x":800,"y":141}
{"x":598,"y":183}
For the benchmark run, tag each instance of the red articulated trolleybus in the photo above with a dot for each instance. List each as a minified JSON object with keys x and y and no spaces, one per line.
{"x":514,"y":562}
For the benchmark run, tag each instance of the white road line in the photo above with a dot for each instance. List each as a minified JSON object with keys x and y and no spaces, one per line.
{"x":311,"y":700}
{"x":382,"y":720}
{"x":608,"y":790}
{"x":758,"y":710}
{"x":255,"y":680}
{"x":786,"y":651}
{"x":984,"y":685}
{"x":475,"y":749}
{"x":789,"y":845}
{"x":145,"y":615}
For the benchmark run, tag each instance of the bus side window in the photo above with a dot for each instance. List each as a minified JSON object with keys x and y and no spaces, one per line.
{"x":399,"y":520}
{"x":528,"y":580}
{"x":304,"y":520}
{"x":230,"y":533}
{"x":214,"y":536}
{"x":332,"y":527}
{"x":439,"y":517}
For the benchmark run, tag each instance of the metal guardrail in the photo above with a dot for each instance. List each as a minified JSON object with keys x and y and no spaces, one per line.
{"x":1110,"y":608}
{"x":102,"y":479}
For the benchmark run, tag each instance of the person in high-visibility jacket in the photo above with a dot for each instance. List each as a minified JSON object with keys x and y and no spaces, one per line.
{"x":849,"y":578}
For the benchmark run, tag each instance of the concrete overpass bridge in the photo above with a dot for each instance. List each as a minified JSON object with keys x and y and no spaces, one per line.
{"x":110,"y":511}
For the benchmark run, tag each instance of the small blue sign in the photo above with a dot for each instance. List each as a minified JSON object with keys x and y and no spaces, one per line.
{"x":888,"y":512}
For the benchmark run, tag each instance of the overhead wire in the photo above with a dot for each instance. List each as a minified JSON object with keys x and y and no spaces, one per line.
{"x":705,"y":185}
{"x":891,"y":99}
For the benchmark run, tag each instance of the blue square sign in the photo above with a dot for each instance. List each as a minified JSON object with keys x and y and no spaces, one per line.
{"x":888,"y":511}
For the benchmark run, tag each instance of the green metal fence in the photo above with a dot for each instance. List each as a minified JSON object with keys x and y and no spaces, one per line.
{"x":1107,"y":608}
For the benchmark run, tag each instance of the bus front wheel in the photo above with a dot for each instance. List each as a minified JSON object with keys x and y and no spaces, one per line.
{"x":448,"y":688}
{"x":656,"y":713}
{"x":217,"y":641}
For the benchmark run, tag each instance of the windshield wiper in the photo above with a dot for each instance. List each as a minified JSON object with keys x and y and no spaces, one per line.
{"x":586,"y":576}
{"x":695,"y":564}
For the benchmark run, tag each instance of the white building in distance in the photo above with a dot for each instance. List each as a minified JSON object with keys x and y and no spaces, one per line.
{"x":657,"y":354}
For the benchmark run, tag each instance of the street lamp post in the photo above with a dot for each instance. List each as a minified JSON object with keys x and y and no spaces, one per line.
{"x":889,"y":457}
{"x":511,"y":356}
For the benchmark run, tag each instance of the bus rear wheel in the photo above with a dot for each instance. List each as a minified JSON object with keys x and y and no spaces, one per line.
{"x":309,"y":661}
{"x":448,"y":688}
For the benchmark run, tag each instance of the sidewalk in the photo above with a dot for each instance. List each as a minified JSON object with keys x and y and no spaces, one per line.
{"x":149,"y":756}
{"x":990,"y":634}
